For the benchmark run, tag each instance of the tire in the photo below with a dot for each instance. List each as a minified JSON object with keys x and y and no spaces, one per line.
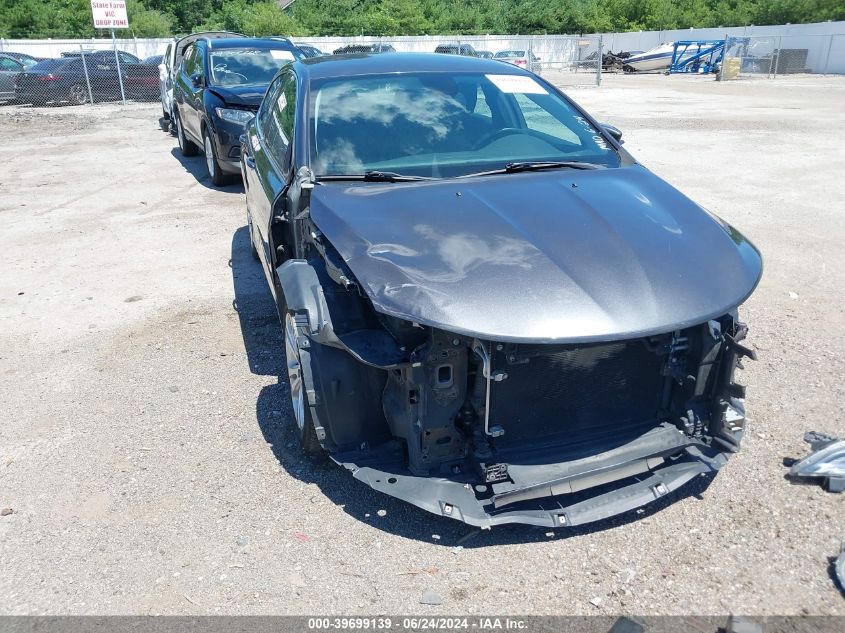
{"x":211,"y":163}
{"x":77,"y":94}
{"x":187,"y":147}
{"x":302,"y":364}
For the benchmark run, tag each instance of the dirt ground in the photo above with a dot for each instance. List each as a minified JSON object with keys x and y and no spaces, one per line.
{"x":146,"y":443}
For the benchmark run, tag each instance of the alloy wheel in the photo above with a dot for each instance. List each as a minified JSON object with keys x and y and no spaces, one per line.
{"x":209,"y":156}
{"x":180,"y":136}
{"x":77,"y":94}
{"x":294,"y":367}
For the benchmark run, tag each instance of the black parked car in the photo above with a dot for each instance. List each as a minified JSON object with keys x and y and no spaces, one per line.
{"x":217,"y":90}
{"x":64,"y":79}
{"x":490,"y":309}
{"x":457,"y":49}
{"x":308,"y":50}
{"x":363,"y":48}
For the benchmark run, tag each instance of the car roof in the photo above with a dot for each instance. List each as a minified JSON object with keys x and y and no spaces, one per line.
{"x":375,"y":64}
{"x":249,"y":42}
{"x":192,"y":37}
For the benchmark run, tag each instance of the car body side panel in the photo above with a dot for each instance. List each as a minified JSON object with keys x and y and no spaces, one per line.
{"x":570,"y":256}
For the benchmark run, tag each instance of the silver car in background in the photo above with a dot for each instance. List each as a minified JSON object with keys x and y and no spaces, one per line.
{"x":520,"y":57}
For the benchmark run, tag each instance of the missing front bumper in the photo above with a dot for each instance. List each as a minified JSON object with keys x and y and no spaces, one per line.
{"x":459,"y":500}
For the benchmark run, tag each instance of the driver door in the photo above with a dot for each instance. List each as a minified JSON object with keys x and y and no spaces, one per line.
{"x":266,"y":168}
{"x":194,"y":93}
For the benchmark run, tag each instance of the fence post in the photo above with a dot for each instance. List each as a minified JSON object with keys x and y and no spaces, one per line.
{"x":827,"y":57}
{"x":599,"y":60}
{"x":85,"y":70}
{"x":117,"y":61}
{"x":777,"y":57}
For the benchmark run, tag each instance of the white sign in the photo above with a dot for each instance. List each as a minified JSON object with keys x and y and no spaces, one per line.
{"x":109,"y":14}
{"x":517,"y":84}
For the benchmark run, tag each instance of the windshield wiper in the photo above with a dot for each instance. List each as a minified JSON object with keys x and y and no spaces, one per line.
{"x":374,"y":176}
{"x":512,"y":168}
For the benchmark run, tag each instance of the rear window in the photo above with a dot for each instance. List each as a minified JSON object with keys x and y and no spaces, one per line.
{"x":50,"y":65}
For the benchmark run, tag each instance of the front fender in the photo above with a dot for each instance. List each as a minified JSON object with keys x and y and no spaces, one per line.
{"x":303,"y":293}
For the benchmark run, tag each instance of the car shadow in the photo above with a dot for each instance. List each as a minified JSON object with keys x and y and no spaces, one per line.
{"x":264,"y":346}
{"x":195,"y":165}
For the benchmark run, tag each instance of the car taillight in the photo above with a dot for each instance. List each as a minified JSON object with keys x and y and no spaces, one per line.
{"x":520,"y":62}
{"x":49,"y":77}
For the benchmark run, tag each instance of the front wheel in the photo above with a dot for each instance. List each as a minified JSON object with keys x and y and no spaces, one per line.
{"x":214,"y":172}
{"x":187,"y":147}
{"x":301,"y":370}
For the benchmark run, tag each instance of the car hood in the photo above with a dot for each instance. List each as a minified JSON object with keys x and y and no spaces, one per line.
{"x":244,"y":96}
{"x":570,"y":256}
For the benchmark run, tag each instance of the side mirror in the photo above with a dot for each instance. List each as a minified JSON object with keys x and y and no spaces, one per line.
{"x":614,"y":131}
{"x":197,"y":80}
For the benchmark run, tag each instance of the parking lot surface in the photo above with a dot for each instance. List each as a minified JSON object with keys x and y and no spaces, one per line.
{"x":147,"y":452}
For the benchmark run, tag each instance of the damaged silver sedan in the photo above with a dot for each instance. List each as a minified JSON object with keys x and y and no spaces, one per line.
{"x":490,"y":309}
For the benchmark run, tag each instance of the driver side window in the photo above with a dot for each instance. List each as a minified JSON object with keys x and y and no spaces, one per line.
{"x":199,"y":62}
{"x":276,"y":118}
{"x":188,"y":62}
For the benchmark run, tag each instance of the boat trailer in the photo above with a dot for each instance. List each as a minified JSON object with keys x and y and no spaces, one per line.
{"x":697,"y":56}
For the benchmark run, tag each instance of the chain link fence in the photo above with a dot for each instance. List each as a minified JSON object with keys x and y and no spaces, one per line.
{"x":563,"y":60}
{"x":94,"y":71}
{"x":768,"y":57}
{"x":75,"y":74}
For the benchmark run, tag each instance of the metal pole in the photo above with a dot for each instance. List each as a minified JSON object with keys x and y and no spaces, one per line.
{"x":85,"y":70}
{"x":827,"y":58}
{"x":777,"y":57}
{"x":721,"y":75}
{"x":117,"y":61}
{"x":598,"y":64}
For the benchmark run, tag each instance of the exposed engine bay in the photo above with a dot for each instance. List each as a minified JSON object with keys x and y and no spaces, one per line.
{"x":492,"y":432}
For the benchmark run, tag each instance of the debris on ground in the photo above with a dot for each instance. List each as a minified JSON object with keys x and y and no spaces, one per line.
{"x":431,"y":597}
{"x":827,"y":461}
{"x":596,"y":601}
{"x":6,"y":512}
{"x":839,"y":568}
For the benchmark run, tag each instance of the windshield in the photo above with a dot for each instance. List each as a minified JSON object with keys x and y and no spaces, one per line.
{"x":246,"y":66}
{"x":510,"y":54}
{"x":436,"y":125}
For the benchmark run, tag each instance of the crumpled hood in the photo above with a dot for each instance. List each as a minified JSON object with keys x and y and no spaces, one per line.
{"x":244,"y":96}
{"x":566,"y":256}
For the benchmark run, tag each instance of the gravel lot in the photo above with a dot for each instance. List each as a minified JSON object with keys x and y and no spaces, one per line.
{"x":146,"y":443}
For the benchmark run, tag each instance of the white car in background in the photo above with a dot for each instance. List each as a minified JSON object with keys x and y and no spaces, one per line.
{"x":520,"y":57}
{"x":173,"y":59}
